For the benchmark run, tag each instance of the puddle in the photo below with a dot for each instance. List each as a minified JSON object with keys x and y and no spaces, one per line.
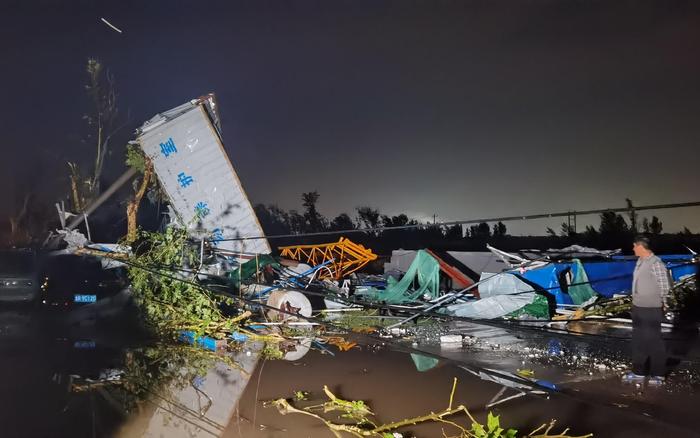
{"x":59,"y":381}
{"x":393,"y":387}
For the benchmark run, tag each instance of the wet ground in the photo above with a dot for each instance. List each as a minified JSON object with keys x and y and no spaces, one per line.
{"x":41,"y":355}
{"x":590,"y":396}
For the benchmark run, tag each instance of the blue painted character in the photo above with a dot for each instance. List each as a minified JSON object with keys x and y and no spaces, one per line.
{"x":184,"y":180}
{"x":201,"y":209}
{"x":217,"y":235}
{"x":168,"y":148}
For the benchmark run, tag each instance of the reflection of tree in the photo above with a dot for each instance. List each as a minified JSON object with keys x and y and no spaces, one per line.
{"x":155,"y":372}
{"x":159,"y":368}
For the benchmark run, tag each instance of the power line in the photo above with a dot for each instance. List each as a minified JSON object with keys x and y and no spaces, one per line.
{"x":472,"y":221}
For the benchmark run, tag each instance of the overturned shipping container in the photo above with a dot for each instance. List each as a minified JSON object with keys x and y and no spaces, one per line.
{"x":205,"y":193}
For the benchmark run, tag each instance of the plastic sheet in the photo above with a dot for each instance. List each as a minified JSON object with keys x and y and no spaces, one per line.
{"x":501,"y":284}
{"x":424,"y":270}
{"x":491,"y":307}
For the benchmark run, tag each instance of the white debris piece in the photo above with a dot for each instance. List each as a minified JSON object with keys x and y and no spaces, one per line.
{"x":451,"y":339}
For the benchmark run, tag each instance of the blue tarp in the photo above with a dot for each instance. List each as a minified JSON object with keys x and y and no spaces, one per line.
{"x":606,"y":277}
{"x":546,"y":277}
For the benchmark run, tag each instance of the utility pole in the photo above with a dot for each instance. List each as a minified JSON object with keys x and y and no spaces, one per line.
{"x":571,"y":222}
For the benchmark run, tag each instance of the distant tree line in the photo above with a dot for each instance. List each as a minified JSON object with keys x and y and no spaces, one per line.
{"x":614,"y":231}
{"x":277,"y":221}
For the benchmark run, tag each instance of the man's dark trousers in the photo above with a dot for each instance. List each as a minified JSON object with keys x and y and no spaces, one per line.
{"x":647,"y":344}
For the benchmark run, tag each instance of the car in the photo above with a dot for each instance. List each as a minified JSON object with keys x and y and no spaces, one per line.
{"x":19,"y":276}
{"x":73,"y":281}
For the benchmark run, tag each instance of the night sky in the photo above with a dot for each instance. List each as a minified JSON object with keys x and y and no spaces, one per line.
{"x":462,"y":109}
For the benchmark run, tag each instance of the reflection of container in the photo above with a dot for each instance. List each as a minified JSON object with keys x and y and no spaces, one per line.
{"x":301,"y":347}
{"x":290,"y":302}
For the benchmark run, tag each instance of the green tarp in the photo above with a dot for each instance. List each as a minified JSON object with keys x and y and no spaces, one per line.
{"x":422,"y":278}
{"x":581,"y":290}
{"x":249,"y":268}
{"x":538,"y":309}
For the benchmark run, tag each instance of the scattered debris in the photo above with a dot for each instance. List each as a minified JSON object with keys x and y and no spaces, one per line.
{"x":358,"y":421}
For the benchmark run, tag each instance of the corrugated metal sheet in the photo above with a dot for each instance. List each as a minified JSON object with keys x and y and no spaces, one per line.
{"x":193,"y":168}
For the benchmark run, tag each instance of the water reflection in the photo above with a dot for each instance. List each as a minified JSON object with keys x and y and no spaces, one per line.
{"x":42,"y":357}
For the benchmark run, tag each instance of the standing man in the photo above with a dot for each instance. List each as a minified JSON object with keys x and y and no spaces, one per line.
{"x":650,"y":286}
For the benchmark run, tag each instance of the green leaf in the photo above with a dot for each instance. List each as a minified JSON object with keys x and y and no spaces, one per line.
{"x":478,"y":430}
{"x":492,"y":422}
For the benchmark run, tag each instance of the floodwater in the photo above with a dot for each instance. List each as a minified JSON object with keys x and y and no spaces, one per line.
{"x":590,"y":397}
{"x":42,"y":356}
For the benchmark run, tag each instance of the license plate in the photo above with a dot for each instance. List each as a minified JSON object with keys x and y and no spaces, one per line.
{"x":85,"y":298}
{"x":84,"y":344}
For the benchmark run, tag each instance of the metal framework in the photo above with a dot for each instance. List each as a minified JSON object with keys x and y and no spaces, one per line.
{"x":345,"y":257}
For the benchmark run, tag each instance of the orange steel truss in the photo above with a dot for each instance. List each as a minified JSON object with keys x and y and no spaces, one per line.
{"x":347,"y":257}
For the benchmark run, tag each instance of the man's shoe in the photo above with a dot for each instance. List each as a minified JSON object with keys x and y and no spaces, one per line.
{"x":656,"y":380}
{"x":633,"y":378}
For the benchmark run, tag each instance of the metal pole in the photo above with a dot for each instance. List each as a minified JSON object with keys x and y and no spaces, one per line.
{"x":116,"y":185}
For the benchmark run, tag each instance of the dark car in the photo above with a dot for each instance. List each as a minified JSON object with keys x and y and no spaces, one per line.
{"x":19,"y":276}
{"x":74,"y":280}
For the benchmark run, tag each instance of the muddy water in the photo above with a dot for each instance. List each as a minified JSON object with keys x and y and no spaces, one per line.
{"x":39,"y":356}
{"x":389,"y":382}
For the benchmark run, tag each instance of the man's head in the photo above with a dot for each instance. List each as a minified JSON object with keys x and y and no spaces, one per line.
{"x":641,"y":246}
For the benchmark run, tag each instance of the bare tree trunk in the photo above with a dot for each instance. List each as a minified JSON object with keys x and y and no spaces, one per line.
{"x":95,"y":186}
{"x":16,"y":220}
{"x":132,"y":207}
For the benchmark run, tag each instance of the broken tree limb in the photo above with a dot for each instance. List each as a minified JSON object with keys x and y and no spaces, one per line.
{"x":132,"y":207}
